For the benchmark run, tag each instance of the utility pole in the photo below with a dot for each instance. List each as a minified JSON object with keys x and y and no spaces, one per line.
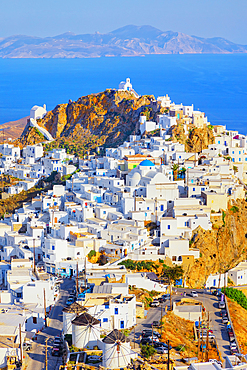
{"x":45,"y":309}
{"x":134,"y":337}
{"x":156,"y":217}
{"x":199,"y":330}
{"x":168,"y":355}
{"x":207,"y":339}
{"x":161,"y":317}
{"x":34,"y":270}
{"x":20,"y":341}
{"x":46,"y":362}
{"x":77,"y":279}
{"x":170,"y":294}
{"x":85,"y":277}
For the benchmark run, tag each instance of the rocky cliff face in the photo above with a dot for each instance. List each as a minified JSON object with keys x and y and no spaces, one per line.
{"x":106,"y":118}
{"x":221,"y":248}
{"x":196,"y":140}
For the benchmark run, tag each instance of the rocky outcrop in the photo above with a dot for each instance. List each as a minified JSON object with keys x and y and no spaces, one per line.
{"x":196,"y":140}
{"x":29,"y":136}
{"x":103,"y":119}
{"x":199,"y":139}
{"x":221,"y":248}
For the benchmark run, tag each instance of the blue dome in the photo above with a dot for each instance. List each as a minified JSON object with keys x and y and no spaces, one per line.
{"x":146,"y":163}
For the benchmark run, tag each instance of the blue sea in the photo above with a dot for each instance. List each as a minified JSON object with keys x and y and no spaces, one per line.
{"x":215,"y":84}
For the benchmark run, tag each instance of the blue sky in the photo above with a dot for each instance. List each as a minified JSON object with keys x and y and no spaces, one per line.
{"x":205,"y":18}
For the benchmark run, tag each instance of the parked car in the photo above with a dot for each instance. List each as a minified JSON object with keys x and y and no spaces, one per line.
{"x":222,"y":304}
{"x":233,"y":345}
{"x":225,"y":320}
{"x":156,"y":324}
{"x":234,"y":351}
{"x":161,"y":350}
{"x":194,"y":293}
{"x":211,"y":336}
{"x":231,"y":336}
{"x":162,"y":344}
{"x":148,"y":340}
{"x":166,"y":296}
{"x":148,"y":333}
{"x":55,"y":351}
{"x":57,"y":339}
{"x":161,"y":299}
{"x":223,"y":313}
{"x":27,"y":346}
{"x":153,"y":339}
{"x":155,"y":303}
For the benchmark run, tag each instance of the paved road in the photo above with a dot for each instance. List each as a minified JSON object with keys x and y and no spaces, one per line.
{"x":36,"y":360}
{"x":209,"y":301}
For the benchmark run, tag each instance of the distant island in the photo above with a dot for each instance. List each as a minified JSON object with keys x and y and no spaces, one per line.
{"x":126,"y":41}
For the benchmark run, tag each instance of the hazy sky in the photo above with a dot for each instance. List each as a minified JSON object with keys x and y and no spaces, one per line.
{"x":205,"y":18}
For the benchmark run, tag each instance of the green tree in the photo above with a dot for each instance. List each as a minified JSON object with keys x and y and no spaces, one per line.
{"x":173,"y":273}
{"x":147,"y":351}
{"x":91,"y":254}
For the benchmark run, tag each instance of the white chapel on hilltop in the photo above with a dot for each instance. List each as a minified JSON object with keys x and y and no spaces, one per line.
{"x":125,"y":85}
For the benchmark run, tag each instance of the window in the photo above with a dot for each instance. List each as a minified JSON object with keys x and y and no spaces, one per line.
{"x":168,"y":227}
{"x":233,"y":152}
{"x":48,"y":256}
{"x":233,"y":159}
{"x":116,"y":311}
{"x":104,"y":212}
{"x":53,"y":247}
{"x":78,"y":253}
{"x":174,"y":258}
{"x":121,"y":324}
{"x":34,"y":320}
{"x":218,"y":142}
{"x":203,"y":189}
{"x":105,"y":319}
{"x":106,"y":306}
{"x":239,"y":152}
{"x":194,"y":189}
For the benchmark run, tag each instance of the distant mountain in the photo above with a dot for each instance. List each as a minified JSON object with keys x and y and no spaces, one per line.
{"x":126,"y":41}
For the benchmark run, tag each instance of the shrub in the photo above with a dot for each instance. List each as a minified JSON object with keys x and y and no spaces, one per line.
{"x":234,"y":209}
{"x":147,"y":351}
{"x":237,"y":295}
{"x":91,"y":254}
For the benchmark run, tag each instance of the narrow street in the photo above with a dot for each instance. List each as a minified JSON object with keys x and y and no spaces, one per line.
{"x":36,"y":357}
{"x":209,"y":301}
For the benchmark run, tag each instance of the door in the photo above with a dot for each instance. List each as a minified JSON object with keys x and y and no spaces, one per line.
{"x":121,"y":324}
{"x":71,"y":272}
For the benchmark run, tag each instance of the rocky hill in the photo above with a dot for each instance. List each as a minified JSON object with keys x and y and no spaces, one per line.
{"x":126,"y":41}
{"x":103,"y":119}
{"x":106,"y":119}
{"x":221,"y":248}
